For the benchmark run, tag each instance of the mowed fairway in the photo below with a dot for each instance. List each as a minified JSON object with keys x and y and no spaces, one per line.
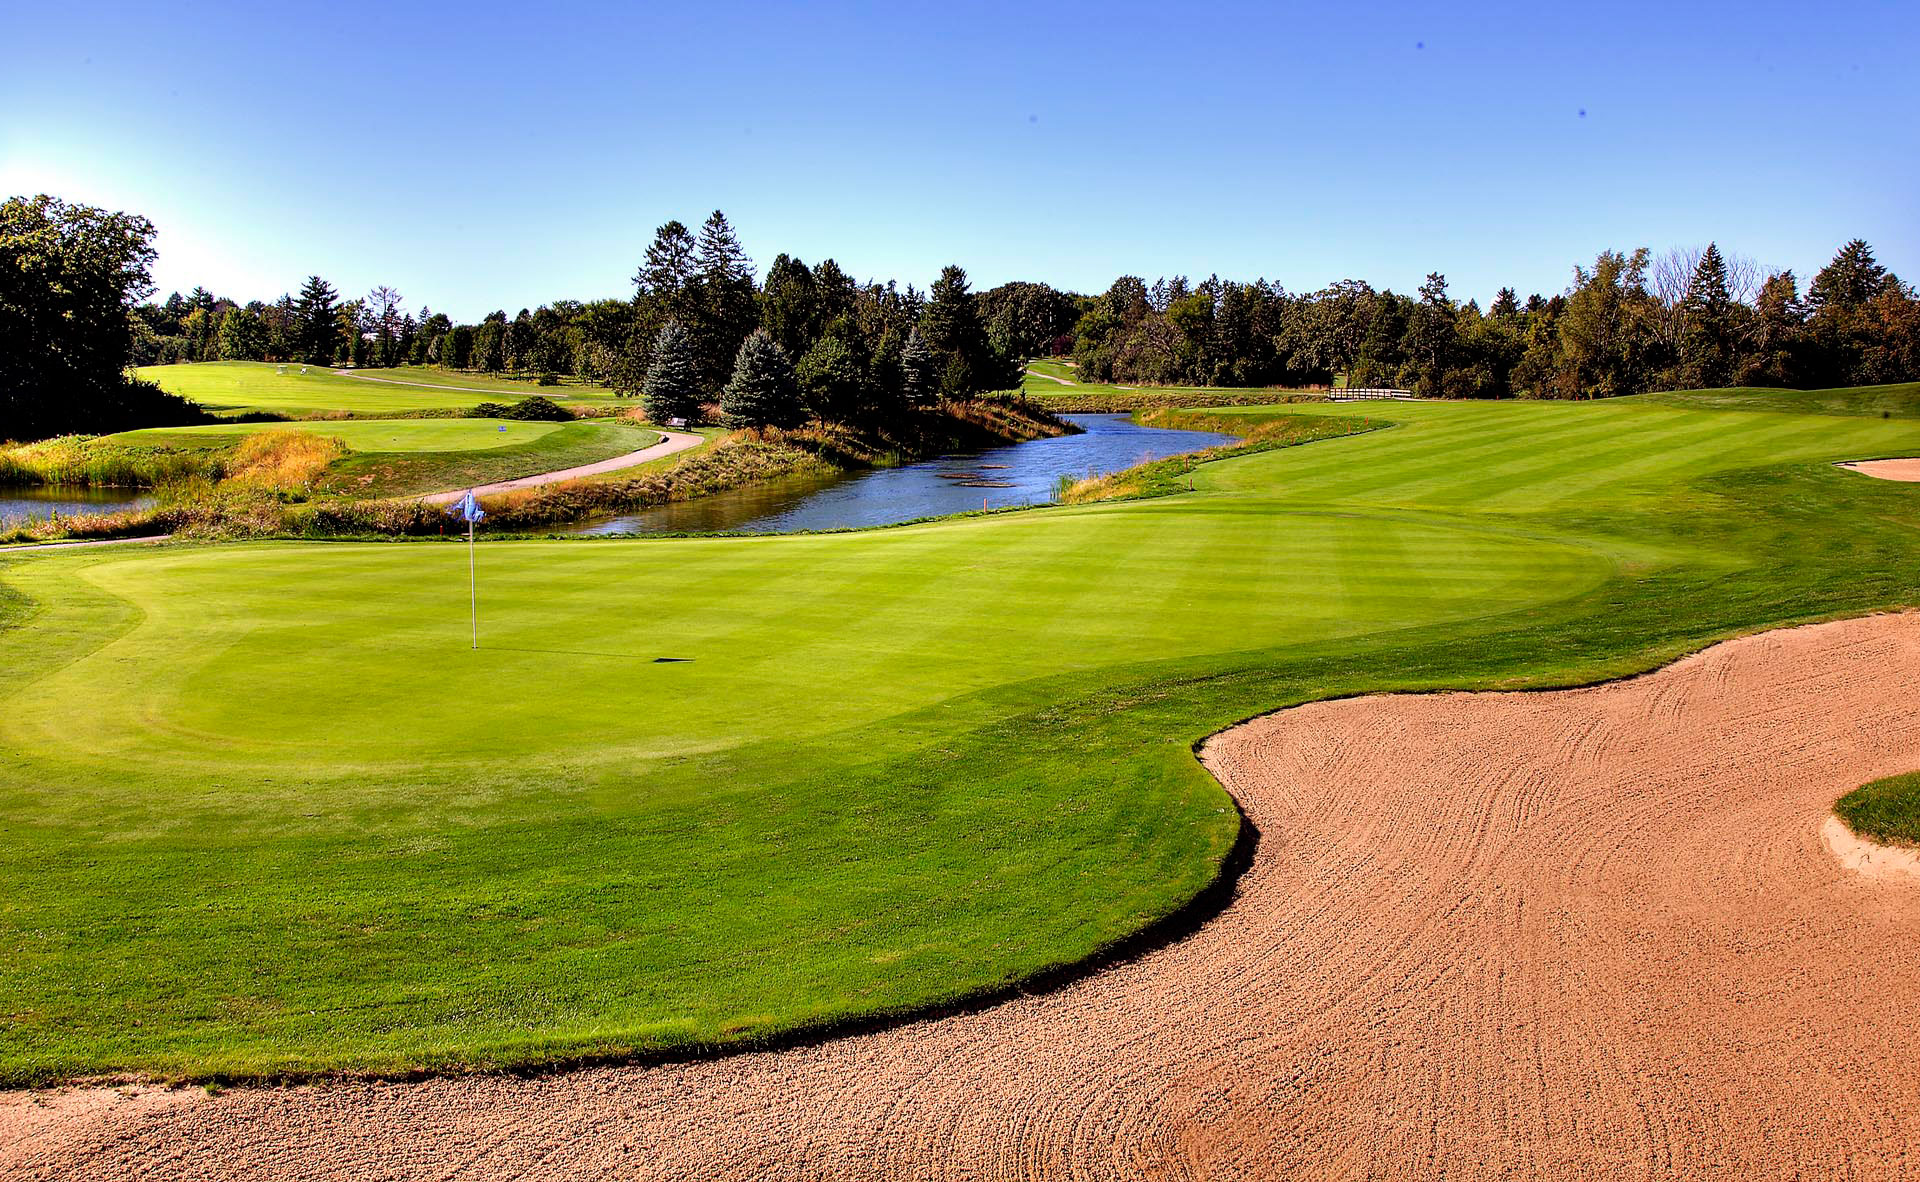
{"x":264,"y":813}
{"x":223,"y":386}
{"x":363,"y":435}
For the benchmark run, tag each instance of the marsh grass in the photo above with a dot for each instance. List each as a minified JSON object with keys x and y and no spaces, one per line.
{"x":92,"y":462}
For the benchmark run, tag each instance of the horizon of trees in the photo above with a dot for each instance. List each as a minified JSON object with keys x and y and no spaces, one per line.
{"x":1628,"y":323}
{"x":76,"y":313}
{"x":858,"y":350}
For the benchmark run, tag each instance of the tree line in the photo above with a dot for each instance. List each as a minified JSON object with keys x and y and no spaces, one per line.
{"x":857,"y":350}
{"x":701,"y":329}
{"x":1629,"y":323}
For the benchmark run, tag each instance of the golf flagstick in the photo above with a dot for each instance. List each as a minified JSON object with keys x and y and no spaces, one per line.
{"x":469,"y":508}
{"x":473,"y":589}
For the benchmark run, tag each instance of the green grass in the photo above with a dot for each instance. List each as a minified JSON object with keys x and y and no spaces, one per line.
{"x":1885,"y":810}
{"x":424,"y":468}
{"x":239,"y":386}
{"x":261,"y":799}
{"x":398,"y":457}
{"x":367,"y":435}
{"x":1901,"y":400}
{"x":1058,"y":369}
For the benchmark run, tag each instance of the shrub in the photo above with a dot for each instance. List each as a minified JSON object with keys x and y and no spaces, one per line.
{"x":533,"y":409}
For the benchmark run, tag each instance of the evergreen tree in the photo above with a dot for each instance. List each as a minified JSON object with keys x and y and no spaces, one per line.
{"x":919,"y":371}
{"x":672,"y":389}
{"x":764,"y":392}
{"x":727,"y":301}
{"x":668,"y":270}
{"x":951,"y":326}
{"x":318,"y":313}
{"x":1851,"y":280}
{"x":833,"y":381}
{"x":1706,"y":333}
{"x":788,"y":307}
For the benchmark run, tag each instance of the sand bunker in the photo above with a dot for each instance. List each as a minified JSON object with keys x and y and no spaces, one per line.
{"x":1906,"y":470}
{"x":1588,"y":934}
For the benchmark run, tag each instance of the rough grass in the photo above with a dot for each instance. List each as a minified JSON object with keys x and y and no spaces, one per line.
{"x":262,"y":800}
{"x":286,"y":460}
{"x":1886,"y":810}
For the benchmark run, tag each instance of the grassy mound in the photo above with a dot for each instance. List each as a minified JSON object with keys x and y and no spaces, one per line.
{"x":266,"y":814}
{"x":1886,"y":810}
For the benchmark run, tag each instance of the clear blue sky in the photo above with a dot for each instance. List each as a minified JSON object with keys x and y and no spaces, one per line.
{"x":480,"y":155}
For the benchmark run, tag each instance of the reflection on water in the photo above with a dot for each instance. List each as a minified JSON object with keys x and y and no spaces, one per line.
{"x":1018,"y":474}
{"x":19,"y":505}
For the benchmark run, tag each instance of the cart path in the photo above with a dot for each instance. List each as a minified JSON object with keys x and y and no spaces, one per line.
{"x":1585,"y":934}
{"x":26,"y":547}
{"x":671,"y":443}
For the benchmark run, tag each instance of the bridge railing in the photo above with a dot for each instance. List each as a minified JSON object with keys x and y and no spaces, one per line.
{"x":1364,"y":393}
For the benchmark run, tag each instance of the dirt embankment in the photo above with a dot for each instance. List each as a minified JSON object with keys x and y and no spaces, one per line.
{"x":1588,"y":934}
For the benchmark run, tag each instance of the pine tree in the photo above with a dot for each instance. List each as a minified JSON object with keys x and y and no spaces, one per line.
{"x":833,"y":381}
{"x":1706,"y":334}
{"x":1851,"y":280}
{"x":952,"y":329}
{"x":919,"y":371}
{"x":951,"y":322}
{"x":669,"y":268}
{"x":727,"y":304}
{"x":318,"y":311}
{"x":763,"y":391}
{"x":672,"y":389}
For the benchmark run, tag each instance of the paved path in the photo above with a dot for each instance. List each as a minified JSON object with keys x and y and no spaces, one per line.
{"x":670,"y":443}
{"x":72,"y":545}
{"x":1049,"y":377}
{"x":1591,"y":934}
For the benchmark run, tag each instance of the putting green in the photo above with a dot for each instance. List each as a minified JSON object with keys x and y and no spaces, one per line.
{"x":264,"y":801}
{"x":359,"y":435}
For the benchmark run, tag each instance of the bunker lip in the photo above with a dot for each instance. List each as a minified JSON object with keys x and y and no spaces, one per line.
{"x":1509,"y":932}
{"x":1906,"y":470}
{"x":1870,"y":858}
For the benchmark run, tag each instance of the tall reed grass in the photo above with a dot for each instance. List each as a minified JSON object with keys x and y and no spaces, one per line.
{"x":86,"y":460}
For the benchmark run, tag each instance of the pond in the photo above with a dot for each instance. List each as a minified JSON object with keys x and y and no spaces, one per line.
{"x":21,"y":504}
{"x":1017,"y":474}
